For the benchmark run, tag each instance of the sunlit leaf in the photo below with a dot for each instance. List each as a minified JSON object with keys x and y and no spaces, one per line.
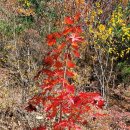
{"x":60,"y":47}
{"x":67,"y":30}
{"x":77,"y":17}
{"x":48,"y":60}
{"x":51,"y":40}
{"x":76,"y":53}
{"x":58,"y":64}
{"x":69,"y":73}
{"x":48,"y":72}
{"x":70,"y":64}
{"x":68,"y":20}
{"x":70,"y":88}
{"x":67,"y":56}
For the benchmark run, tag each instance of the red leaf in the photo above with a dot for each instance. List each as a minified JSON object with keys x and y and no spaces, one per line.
{"x":77,"y":17}
{"x":67,"y":30}
{"x":99,"y":101}
{"x":57,"y":35}
{"x":58,"y":64}
{"x":70,"y":88}
{"x":51,"y":42}
{"x":85,"y":122}
{"x":99,"y":115}
{"x":69,"y":73}
{"x":61,"y":124}
{"x":76,"y":53}
{"x":66,"y":124}
{"x":49,"y":83}
{"x":60,"y":47}
{"x":68,"y":56}
{"x":53,"y":113}
{"x":48,"y":60}
{"x":70,"y":64}
{"x":50,"y":36}
{"x":74,"y":37}
{"x":48,"y":72}
{"x":77,"y":29}
{"x":55,"y":56}
{"x":47,"y":87}
{"x":68,"y":20}
{"x":88,"y":108}
{"x":59,"y":73}
{"x":62,"y":96}
{"x":76,"y":99}
{"x":61,"y":80}
{"x":77,"y":127}
{"x":89,"y":94}
{"x":75,"y":45}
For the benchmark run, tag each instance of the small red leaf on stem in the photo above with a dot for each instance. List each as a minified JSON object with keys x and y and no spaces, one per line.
{"x":70,"y":88}
{"x":77,"y":29}
{"x":50,"y":36}
{"x":74,"y":37}
{"x":48,"y":60}
{"x":59,"y":73}
{"x":76,"y":53}
{"x":75,"y":45}
{"x":67,"y":30}
{"x":67,"y":56}
{"x":68,"y":20}
{"x":51,"y":40}
{"x":69,"y":73}
{"x":55,"y":56}
{"x":48,"y":72}
{"x":77,"y":17}
{"x":57,"y":35}
{"x":60,"y":47}
{"x":58,"y":64}
{"x":70,"y":64}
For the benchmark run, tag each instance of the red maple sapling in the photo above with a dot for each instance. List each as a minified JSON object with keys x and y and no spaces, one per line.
{"x":58,"y":97}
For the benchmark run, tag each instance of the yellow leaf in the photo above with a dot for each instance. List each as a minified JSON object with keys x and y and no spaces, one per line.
{"x":101,"y":28}
{"x":80,"y":1}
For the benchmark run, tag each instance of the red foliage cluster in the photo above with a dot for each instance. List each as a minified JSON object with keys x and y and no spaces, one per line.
{"x":58,"y":96}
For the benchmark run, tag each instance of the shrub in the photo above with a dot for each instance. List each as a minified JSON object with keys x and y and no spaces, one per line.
{"x":64,"y":107}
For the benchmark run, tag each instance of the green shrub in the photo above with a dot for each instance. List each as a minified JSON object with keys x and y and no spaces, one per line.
{"x":124,"y":69}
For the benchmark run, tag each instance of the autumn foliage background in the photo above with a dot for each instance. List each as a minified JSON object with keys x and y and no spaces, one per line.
{"x":33,"y":39}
